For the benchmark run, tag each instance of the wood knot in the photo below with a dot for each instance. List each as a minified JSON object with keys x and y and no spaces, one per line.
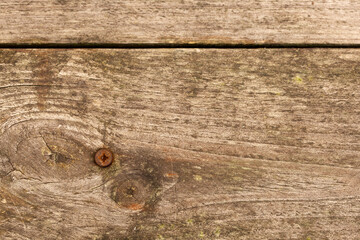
{"x":132,"y":193}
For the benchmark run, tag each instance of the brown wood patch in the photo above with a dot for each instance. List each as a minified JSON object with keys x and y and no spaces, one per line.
{"x":180,"y":21}
{"x":207,"y":144}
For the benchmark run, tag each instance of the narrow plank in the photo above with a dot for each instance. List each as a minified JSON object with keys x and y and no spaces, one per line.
{"x":180,"y":21}
{"x":214,"y":143}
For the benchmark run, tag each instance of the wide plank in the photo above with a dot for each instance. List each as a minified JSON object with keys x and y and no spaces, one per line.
{"x":180,"y":22}
{"x":208,"y":143}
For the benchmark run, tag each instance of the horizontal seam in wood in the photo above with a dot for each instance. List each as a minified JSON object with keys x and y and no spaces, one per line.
{"x":172,"y":45}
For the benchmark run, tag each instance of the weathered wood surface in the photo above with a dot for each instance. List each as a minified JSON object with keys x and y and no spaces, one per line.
{"x":180,"y":21}
{"x":209,"y":144}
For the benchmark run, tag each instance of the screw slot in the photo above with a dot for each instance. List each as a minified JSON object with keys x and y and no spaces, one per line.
{"x":103,"y":157}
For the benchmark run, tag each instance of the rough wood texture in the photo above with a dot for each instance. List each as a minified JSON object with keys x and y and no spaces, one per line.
{"x":180,"y":21}
{"x":209,"y":144}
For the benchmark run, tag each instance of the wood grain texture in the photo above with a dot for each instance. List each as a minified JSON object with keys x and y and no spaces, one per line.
{"x":180,"y":21}
{"x":208,"y":144}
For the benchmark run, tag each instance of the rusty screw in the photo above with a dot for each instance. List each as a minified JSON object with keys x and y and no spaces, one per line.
{"x":104,"y":157}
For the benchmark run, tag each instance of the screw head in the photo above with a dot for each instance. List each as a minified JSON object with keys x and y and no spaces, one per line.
{"x":104,"y":157}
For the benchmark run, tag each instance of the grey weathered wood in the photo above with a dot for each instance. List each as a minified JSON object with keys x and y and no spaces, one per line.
{"x":180,"y":21}
{"x":218,"y":144}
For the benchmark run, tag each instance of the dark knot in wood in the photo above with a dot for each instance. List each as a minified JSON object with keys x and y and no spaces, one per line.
{"x":134,"y":193}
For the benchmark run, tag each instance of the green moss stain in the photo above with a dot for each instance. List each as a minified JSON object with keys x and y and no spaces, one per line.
{"x":217,"y":232}
{"x":161,"y":226}
{"x":160,"y":237}
{"x":297,"y":79}
{"x":198,"y":178}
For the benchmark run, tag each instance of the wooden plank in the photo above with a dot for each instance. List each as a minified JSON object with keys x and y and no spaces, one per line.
{"x":212,"y":143}
{"x":180,"y":21}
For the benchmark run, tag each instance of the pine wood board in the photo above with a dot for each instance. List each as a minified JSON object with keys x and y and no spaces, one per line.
{"x":180,"y":22}
{"x":215,"y":143}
